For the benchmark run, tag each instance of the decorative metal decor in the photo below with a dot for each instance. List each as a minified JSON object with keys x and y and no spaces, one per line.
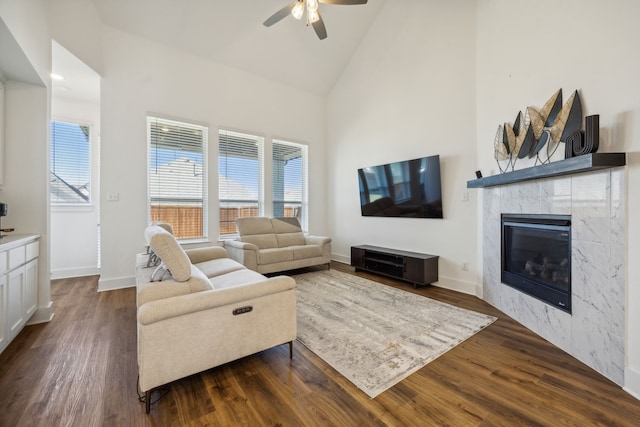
{"x":554,"y":124}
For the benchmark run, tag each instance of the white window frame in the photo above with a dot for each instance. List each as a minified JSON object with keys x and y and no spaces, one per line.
{"x":223,"y":201}
{"x":87,"y":204}
{"x":203,"y":181}
{"x":304,"y":204}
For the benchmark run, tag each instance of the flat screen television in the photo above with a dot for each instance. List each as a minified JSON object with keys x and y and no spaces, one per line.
{"x":410,"y":188}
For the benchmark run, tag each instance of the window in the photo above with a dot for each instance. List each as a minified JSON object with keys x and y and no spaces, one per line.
{"x":289,"y":180}
{"x":240,"y":184}
{"x":178,"y":176}
{"x":70,"y":167}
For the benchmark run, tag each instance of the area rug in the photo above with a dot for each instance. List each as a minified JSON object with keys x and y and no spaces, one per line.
{"x":376,"y":335}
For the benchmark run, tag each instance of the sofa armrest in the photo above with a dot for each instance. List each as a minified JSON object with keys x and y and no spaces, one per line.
{"x":199,"y":255}
{"x":167,"y":308}
{"x":317,"y":240}
{"x":243,"y":252}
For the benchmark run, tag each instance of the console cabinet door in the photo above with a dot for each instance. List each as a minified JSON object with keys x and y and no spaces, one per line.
{"x":357,"y":257}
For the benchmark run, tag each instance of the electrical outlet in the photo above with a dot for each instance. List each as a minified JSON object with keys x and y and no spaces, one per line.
{"x":113,"y":197}
{"x":465,"y":196}
{"x":464,"y":266}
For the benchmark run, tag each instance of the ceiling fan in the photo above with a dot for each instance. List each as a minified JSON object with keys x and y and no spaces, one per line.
{"x":297,"y":9}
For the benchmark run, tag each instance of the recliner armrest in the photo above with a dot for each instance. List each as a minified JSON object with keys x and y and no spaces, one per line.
{"x":155,"y":311}
{"x":243,"y":252}
{"x":208,"y":253}
{"x":317,"y":240}
{"x":240,"y":245}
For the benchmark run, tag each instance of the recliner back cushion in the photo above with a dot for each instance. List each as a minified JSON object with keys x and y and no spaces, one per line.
{"x":288,"y":232}
{"x":258,"y":231}
{"x":169,"y":251}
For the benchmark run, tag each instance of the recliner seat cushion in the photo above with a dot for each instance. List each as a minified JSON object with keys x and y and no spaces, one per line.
{"x":217,"y":267}
{"x":236,"y":278}
{"x":306,"y":251}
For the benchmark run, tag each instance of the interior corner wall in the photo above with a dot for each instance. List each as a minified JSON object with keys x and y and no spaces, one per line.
{"x":525,"y":52}
{"x":141,"y":77}
{"x":408,"y":92}
{"x":76,"y":25}
{"x":74,"y":229}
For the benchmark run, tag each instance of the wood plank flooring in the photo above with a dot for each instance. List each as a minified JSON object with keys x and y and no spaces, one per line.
{"x":80,"y":370}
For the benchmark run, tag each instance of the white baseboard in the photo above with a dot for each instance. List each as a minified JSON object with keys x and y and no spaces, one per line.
{"x":457,"y":285}
{"x":42,"y":315}
{"x":117,"y":283}
{"x":632,"y":382}
{"x":74,"y":272}
{"x":341,"y":258}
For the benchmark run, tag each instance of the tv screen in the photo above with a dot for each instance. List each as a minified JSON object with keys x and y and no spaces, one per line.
{"x":402,"y":189}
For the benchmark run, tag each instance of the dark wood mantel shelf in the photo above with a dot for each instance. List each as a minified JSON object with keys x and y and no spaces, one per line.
{"x":579,"y":164}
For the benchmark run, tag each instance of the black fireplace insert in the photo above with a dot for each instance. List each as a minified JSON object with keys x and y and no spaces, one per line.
{"x":536,"y":256}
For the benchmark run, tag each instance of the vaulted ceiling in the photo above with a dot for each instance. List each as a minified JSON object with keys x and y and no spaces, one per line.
{"x":230,"y":32}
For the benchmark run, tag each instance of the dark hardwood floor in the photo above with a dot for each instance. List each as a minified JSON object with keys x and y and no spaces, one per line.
{"x":80,"y":370}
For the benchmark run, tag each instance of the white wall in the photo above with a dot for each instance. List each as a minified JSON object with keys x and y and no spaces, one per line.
{"x":140,"y":78}
{"x":408,"y":92}
{"x":27,"y":112}
{"x":526,"y":51}
{"x":74,"y":229}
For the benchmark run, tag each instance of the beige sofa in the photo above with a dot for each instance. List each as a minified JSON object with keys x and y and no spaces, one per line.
{"x":269,"y":245}
{"x":207,"y":310}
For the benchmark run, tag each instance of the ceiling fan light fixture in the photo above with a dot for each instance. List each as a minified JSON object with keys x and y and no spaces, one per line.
{"x":312,"y":16}
{"x":298,"y":10}
{"x":312,"y":4}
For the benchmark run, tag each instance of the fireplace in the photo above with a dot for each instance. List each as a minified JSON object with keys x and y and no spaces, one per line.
{"x":536,"y":256}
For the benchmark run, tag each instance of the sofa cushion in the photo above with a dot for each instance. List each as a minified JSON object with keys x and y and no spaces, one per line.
{"x":290,"y":239}
{"x":262,"y":241}
{"x":270,"y":256}
{"x":235,"y":278}
{"x":169,"y":251}
{"x":217,"y":267}
{"x":258,"y":231}
{"x":288,"y":232}
{"x":306,"y":251}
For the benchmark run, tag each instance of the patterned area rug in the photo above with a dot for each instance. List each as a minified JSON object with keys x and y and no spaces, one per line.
{"x":376,"y":335}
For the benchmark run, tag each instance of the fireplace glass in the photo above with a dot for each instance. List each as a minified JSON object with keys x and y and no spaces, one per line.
{"x":536,"y":257}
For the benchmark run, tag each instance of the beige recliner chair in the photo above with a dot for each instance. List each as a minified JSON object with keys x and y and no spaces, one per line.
{"x":207,"y":310}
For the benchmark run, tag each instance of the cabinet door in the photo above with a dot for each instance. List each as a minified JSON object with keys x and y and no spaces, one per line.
{"x":31,"y":288}
{"x":414,"y":270}
{"x":357,"y":257}
{"x":15,"y":297}
{"x":4,"y":341}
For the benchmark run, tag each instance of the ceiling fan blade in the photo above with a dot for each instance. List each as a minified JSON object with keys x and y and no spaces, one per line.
{"x":319,"y":28}
{"x":279,"y":15}
{"x":344,"y":2}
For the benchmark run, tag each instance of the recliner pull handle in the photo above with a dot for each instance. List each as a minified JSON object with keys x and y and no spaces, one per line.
{"x":242,"y":310}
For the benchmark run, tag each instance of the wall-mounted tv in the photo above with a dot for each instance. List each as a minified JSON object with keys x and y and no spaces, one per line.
{"x":410,"y":188}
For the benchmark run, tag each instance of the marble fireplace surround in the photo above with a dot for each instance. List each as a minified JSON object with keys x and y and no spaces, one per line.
{"x":594,"y":332}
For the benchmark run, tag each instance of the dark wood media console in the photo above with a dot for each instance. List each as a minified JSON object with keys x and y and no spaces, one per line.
{"x":417,"y":268}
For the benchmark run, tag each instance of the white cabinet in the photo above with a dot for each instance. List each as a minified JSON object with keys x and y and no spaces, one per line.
{"x":18,"y":284}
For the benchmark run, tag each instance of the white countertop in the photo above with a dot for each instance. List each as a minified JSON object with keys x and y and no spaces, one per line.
{"x":9,"y":241}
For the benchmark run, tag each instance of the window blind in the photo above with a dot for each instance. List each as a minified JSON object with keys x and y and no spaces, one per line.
{"x":240,"y":184}
{"x":178,"y":176}
{"x":70,"y":164}
{"x":289,"y":181}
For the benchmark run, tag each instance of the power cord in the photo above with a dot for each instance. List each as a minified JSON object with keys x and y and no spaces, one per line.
{"x":142,"y":398}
